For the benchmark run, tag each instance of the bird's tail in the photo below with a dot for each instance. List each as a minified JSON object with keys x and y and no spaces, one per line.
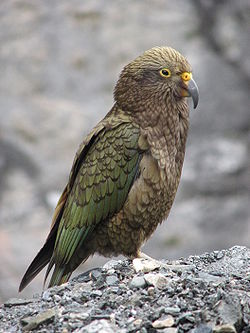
{"x":39,"y":262}
{"x":42,"y":258}
{"x":45,"y":254}
{"x":61,"y":274}
{"x":59,"y":277}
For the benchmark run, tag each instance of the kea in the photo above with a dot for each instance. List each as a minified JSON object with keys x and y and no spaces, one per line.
{"x":126,"y":172}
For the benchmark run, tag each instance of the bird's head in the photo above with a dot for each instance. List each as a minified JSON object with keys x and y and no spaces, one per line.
{"x":159,"y":74}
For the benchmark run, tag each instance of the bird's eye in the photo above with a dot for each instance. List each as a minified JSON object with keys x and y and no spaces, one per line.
{"x":165,"y":72}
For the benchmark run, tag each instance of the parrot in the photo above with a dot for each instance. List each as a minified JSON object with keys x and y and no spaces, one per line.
{"x":127,"y":170}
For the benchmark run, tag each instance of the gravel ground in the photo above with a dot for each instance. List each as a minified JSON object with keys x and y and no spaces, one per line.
{"x":200,"y":294}
{"x":59,"y":61}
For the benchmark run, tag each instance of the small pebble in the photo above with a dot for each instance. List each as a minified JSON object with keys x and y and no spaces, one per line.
{"x":151,"y":291}
{"x":163,"y":322}
{"x":157,"y":280}
{"x":186,"y":317}
{"x":137,"y":322}
{"x":79,"y":315}
{"x":46,"y":295}
{"x":95,"y":274}
{"x":220,"y":255}
{"x":172,"y":310}
{"x":112,"y":318}
{"x":143,"y":330}
{"x":111,"y":264}
{"x":133,"y":312}
{"x":96,"y":292}
{"x":112,"y":280}
{"x":202,"y":329}
{"x":224,"y":329}
{"x":98,"y":326}
{"x":57,"y":298}
{"x":169,"y":330}
{"x":116,"y":290}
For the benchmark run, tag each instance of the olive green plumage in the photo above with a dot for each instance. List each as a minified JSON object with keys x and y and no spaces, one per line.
{"x":125,"y":174}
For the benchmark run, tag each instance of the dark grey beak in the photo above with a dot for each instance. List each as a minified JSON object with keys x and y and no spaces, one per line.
{"x":193,"y":91}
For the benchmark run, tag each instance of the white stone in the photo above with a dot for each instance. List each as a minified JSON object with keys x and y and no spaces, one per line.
{"x":145,"y":265}
{"x":163,"y":323}
{"x":157,"y":280}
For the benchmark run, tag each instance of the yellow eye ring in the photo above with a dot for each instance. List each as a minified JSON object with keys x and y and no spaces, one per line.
{"x":165,"y":72}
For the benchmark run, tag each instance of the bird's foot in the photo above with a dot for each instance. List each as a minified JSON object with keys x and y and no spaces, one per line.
{"x":156,"y":262}
{"x":143,"y":255}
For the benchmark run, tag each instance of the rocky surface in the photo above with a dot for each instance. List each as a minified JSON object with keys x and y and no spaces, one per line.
{"x":59,"y":61}
{"x":201,"y":294}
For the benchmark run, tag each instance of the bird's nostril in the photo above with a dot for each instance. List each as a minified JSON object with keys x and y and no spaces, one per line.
{"x":186,"y":76}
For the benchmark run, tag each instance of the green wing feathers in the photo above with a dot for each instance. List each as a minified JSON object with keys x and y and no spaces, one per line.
{"x":100,"y":189}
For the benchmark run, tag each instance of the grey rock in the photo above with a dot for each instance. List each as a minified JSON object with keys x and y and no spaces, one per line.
{"x":202,"y":329}
{"x":172,"y":310}
{"x":79,"y":315}
{"x":112,"y":280}
{"x":229,"y":310}
{"x":209,"y":277}
{"x":138,"y":282}
{"x":220,"y":255}
{"x":143,"y":330}
{"x":157,"y":280}
{"x":96,"y":293}
{"x":95,"y":274}
{"x":181,"y":268}
{"x":31,"y":323}
{"x":186,"y":317}
{"x":56,"y":298}
{"x":17,"y":301}
{"x":99,"y":326}
{"x":46,"y":295}
{"x":111,"y":264}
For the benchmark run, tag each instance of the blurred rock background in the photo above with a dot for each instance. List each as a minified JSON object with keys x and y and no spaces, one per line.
{"x":59,"y":61}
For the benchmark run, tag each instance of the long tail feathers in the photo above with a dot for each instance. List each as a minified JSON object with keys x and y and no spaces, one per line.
{"x":45,"y":254}
{"x":59,"y":277}
{"x":40,"y":261}
{"x":42,"y":258}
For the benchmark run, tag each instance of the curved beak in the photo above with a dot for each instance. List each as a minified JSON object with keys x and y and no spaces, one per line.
{"x":189,"y":87}
{"x":193,"y":91}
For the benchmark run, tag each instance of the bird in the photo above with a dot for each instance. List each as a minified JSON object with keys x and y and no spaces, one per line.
{"x":126,"y":172}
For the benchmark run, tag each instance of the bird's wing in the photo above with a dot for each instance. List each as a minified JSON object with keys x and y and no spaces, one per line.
{"x":101,"y":182}
{"x":43,"y":257}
